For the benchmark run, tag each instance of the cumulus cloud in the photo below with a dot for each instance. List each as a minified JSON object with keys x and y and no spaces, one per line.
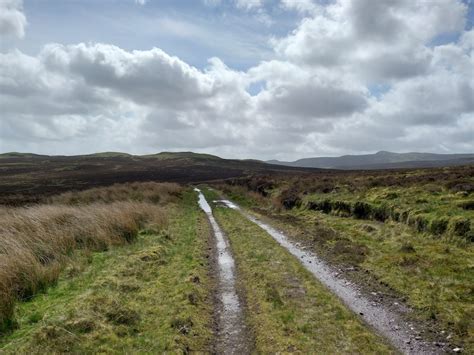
{"x":144,"y":76}
{"x":316,"y":94}
{"x":379,"y":40}
{"x":12,"y":18}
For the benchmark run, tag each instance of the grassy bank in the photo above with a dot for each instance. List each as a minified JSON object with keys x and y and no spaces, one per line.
{"x":438,"y":202}
{"x":150,"y":296}
{"x":432,"y":274}
{"x":428,"y":208}
{"x":288,"y":310}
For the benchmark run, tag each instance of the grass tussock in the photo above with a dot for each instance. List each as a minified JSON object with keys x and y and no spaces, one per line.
{"x":152,"y":296}
{"x":37,"y":243}
{"x":141,"y":192}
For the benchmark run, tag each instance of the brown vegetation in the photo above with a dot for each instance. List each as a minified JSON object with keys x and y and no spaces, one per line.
{"x":141,"y":192}
{"x":26,"y":179}
{"x":37,"y":242}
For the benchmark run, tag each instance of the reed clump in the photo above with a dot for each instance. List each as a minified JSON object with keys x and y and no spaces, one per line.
{"x":38,"y":242}
{"x":137,"y":191}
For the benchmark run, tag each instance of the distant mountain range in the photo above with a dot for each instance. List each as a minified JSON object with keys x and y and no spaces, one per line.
{"x":381,"y":160}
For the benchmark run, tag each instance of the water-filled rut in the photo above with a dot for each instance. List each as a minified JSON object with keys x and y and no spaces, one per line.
{"x":232,"y":337}
{"x":386,"y":322}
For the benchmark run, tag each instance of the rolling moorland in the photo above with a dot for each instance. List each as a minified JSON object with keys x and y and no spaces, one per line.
{"x":29,"y":178}
{"x":100,"y":254}
{"x":382,"y":160}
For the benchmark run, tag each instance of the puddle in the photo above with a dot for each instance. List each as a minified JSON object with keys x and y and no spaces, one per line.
{"x":387,"y":322}
{"x":231,"y":334}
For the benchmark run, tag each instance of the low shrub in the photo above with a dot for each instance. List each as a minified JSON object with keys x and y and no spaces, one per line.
{"x":438,"y":226}
{"x":421,"y":223}
{"x":467,"y":205}
{"x":460,"y":226}
{"x":381,"y":213}
{"x":290,"y":199}
{"x":324,"y":206}
{"x":362,"y":210}
{"x":342,"y":207}
{"x":396,"y":214}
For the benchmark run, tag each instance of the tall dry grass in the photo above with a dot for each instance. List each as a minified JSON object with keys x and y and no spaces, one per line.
{"x":37,"y":242}
{"x":143,"y":192}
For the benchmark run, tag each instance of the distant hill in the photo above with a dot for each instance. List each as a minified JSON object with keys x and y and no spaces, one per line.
{"x":12,"y":155}
{"x":107,"y":155}
{"x":381,"y":160}
{"x":161,"y":156}
{"x":182,"y":155}
{"x":26,"y":178}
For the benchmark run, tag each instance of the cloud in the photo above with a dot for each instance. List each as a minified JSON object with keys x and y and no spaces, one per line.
{"x":67,"y":91}
{"x":143,"y":76}
{"x":380,"y":40}
{"x":141,"y":2}
{"x":316,"y":94}
{"x":12,"y":18}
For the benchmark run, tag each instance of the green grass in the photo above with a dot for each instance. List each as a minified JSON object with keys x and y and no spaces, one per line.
{"x":427,"y":207}
{"x":434,"y":275}
{"x":209,"y":193}
{"x":288,"y":310}
{"x":152,"y":296}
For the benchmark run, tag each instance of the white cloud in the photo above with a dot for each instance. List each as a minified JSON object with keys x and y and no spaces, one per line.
{"x":12,"y":18}
{"x":380,"y":40}
{"x":141,"y":2}
{"x":317,"y":93}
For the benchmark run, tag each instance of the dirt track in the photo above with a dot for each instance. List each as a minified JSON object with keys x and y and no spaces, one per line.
{"x":385,"y":321}
{"x":232,"y":334}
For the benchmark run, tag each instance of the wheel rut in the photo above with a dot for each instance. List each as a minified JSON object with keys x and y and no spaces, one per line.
{"x":232,"y":333}
{"x":386,"y":322}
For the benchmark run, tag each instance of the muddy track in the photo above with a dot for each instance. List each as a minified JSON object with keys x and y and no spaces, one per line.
{"x":232,"y":334}
{"x":387,"y":322}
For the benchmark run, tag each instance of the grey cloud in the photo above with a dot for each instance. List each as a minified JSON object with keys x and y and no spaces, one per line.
{"x":396,"y":64}
{"x":12,"y":18}
{"x":378,"y":40}
{"x":312,"y":101}
{"x":144,"y":76}
{"x":376,"y":20}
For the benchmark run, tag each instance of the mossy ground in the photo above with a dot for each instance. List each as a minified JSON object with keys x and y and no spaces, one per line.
{"x":288,"y":310}
{"x":148,"y":297}
{"x":427,"y":208}
{"x":434,"y":275}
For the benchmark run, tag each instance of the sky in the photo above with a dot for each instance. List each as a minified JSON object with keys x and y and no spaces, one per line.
{"x":264,"y":79}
